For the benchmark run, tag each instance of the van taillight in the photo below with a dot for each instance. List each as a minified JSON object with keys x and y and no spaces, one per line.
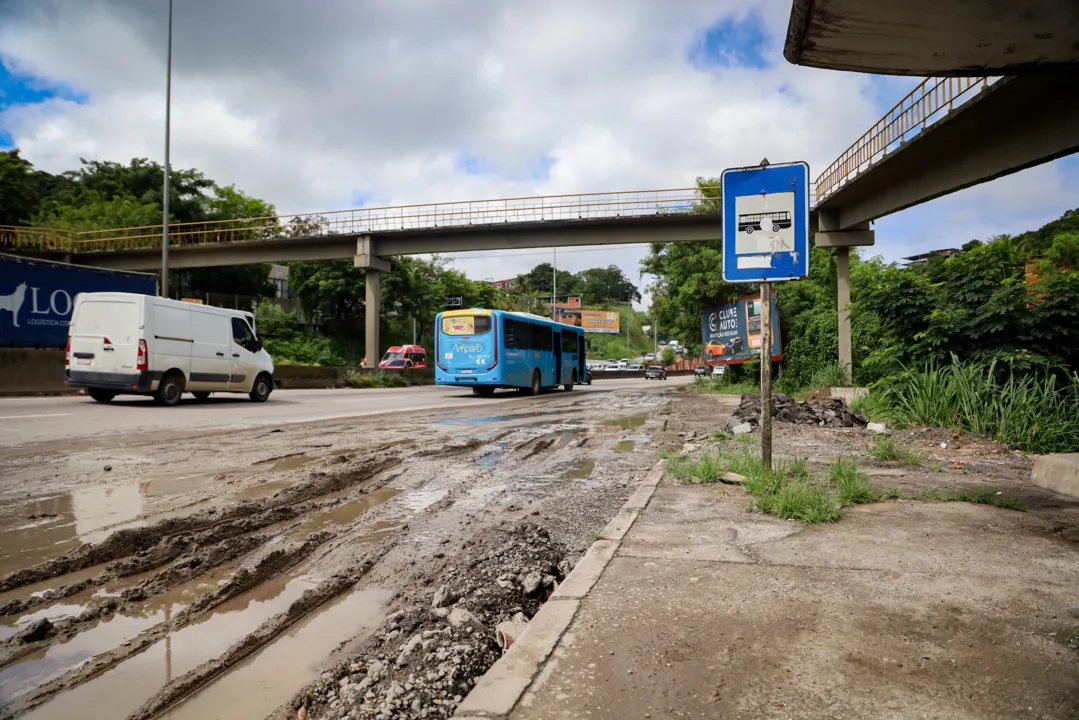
{"x":67,"y":353}
{"x":144,"y":358}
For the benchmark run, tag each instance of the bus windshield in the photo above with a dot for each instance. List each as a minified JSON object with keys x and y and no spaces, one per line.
{"x":466,"y":324}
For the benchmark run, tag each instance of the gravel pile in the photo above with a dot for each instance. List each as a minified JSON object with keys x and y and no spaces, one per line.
{"x":427,"y":655}
{"x":826,"y":412}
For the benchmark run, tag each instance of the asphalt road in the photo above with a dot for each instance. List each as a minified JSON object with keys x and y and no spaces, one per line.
{"x":27,"y":421}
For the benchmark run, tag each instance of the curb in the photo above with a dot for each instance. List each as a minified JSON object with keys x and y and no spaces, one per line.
{"x":499,"y":690}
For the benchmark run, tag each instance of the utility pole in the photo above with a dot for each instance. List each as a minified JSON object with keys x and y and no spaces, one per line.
{"x":554,"y":287}
{"x":165,"y":198}
{"x":629,"y":312}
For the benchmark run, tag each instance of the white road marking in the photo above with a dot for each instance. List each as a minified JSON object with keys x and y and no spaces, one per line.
{"x":20,"y":417}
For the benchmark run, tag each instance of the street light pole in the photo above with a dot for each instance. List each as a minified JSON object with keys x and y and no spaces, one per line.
{"x":165,"y":198}
{"x":554,"y":287}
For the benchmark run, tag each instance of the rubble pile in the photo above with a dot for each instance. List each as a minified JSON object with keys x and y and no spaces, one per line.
{"x":427,"y":655}
{"x":826,"y":412}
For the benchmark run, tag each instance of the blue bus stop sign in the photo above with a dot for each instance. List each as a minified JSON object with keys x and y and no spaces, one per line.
{"x":766,"y":223}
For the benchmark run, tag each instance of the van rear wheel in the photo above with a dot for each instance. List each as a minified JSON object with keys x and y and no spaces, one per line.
{"x":260,"y":391}
{"x":102,"y":396}
{"x":169,"y":390}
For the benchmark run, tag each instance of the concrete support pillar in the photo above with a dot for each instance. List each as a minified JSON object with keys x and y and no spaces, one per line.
{"x":372,"y":311}
{"x":842,"y":263}
{"x":829,"y":235}
{"x":374,"y":265}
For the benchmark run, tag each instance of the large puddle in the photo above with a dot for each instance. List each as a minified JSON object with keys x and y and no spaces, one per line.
{"x":48,"y":663}
{"x":121,"y":690}
{"x":266,"y":680}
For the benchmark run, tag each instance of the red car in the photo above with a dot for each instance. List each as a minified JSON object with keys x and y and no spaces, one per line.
{"x":404,"y":357}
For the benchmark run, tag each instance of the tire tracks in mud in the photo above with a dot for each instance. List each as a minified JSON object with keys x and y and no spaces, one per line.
{"x":272,"y":563}
{"x":208,"y":525}
{"x":311,"y":600}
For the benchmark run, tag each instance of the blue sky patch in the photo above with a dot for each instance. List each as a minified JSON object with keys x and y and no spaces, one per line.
{"x":16,"y":89}
{"x":471,"y":165}
{"x":730,"y":42}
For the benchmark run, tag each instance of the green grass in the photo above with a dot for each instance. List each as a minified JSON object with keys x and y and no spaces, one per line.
{"x":1034,"y":412}
{"x":593,"y":536}
{"x":682,"y":467}
{"x":721,"y":435}
{"x":720,"y":386}
{"x":829,"y":376}
{"x":378,"y":380}
{"x":885,"y":448}
{"x":875,"y":406}
{"x":851,"y":485}
{"x":976,"y":497}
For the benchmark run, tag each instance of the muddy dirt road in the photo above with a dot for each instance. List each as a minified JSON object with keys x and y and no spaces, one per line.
{"x":190,"y":573}
{"x":44,"y":419}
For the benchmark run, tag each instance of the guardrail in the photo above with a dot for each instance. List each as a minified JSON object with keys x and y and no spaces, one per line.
{"x":926,"y":104}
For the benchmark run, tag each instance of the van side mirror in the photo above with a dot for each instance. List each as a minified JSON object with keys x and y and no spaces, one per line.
{"x":256,"y":344}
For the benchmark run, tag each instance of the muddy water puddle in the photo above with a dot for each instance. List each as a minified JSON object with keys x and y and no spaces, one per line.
{"x":121,"y":690}
{"x":583,"y":470}
{"x":121,"y":627}
{"x":265,"y":681}
{"x":347,"y":512}
{"x":624,"y":446}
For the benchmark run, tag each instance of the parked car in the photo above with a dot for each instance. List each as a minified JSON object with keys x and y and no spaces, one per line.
{"x":133,"y":344}
{"x":611,"y":365}
{"x":702,"y":371}
{"x":649,"y":357}
{"x":636,"y":367}
{"x":404,"y":357}
{"x":655,"y":372}
{"x":623,"y":364}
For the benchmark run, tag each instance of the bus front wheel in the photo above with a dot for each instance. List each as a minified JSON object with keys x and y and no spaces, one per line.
{"x":535,"y":388}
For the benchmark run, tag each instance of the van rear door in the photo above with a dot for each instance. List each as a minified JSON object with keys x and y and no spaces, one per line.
{"x":105,"y":334}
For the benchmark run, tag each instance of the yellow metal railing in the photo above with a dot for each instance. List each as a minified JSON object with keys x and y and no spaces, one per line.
{"x":587,"y":206}
{"x":35,"y":238}
{"x":923,"y":106}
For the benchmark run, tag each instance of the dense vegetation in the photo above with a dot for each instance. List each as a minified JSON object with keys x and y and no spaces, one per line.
{"x":988,"y":338}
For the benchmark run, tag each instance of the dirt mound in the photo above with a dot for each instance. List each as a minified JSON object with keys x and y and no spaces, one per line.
{"x":825,"y":412}
{"x":427,"y":655}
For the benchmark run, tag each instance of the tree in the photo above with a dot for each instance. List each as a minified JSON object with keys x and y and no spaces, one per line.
{"x":538,"y":281}
{"x":19,"y":198}
{"x":603,"y":284}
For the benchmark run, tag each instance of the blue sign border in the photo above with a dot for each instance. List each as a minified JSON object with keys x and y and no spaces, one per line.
{"x":739,"y":182}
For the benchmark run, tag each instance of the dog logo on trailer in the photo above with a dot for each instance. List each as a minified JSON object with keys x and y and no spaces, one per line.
{"x":13,"y":303}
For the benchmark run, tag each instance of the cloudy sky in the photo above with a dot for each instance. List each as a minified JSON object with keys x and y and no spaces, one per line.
{"x":332,"y":104}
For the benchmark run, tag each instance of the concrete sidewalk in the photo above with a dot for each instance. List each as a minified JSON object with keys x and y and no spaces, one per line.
{"x":900,"y":610}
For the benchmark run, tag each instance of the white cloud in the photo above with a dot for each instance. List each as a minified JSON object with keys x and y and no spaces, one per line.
{"x":310,"y":105}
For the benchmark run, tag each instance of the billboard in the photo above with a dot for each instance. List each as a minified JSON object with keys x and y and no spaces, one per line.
{"x":599,"y":321}
{"x":731,"y":333}
{"x":37,"y":297}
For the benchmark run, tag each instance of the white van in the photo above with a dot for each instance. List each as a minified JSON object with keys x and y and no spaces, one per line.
{"x":130,"y":344}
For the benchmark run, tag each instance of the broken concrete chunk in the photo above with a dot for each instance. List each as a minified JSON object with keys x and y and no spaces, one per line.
{"x":743,"y":429}
{"x":877,"y":427}
{"x":443,"y":597}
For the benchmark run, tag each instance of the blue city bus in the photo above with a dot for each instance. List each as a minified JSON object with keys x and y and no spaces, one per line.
{"x":490,"y":349}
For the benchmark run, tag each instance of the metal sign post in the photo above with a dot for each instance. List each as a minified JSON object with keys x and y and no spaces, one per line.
{"x":766,"y":374}
{"x":766,"y":240}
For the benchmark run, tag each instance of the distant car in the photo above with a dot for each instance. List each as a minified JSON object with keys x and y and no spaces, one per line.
{"x":655,"y":372}
{"x":623,"y":365}
{"x":636,"y":367}
{"x":611,"y":365}
{"x":650,"y":356}
{"x":701,"y":371}
{"x":404,"y":357}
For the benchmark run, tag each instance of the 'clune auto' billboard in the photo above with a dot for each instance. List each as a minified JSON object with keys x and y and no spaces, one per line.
{"x":732,"y":333}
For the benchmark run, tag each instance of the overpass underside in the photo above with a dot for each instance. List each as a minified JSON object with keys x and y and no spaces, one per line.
{"x":1013,"y":124}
